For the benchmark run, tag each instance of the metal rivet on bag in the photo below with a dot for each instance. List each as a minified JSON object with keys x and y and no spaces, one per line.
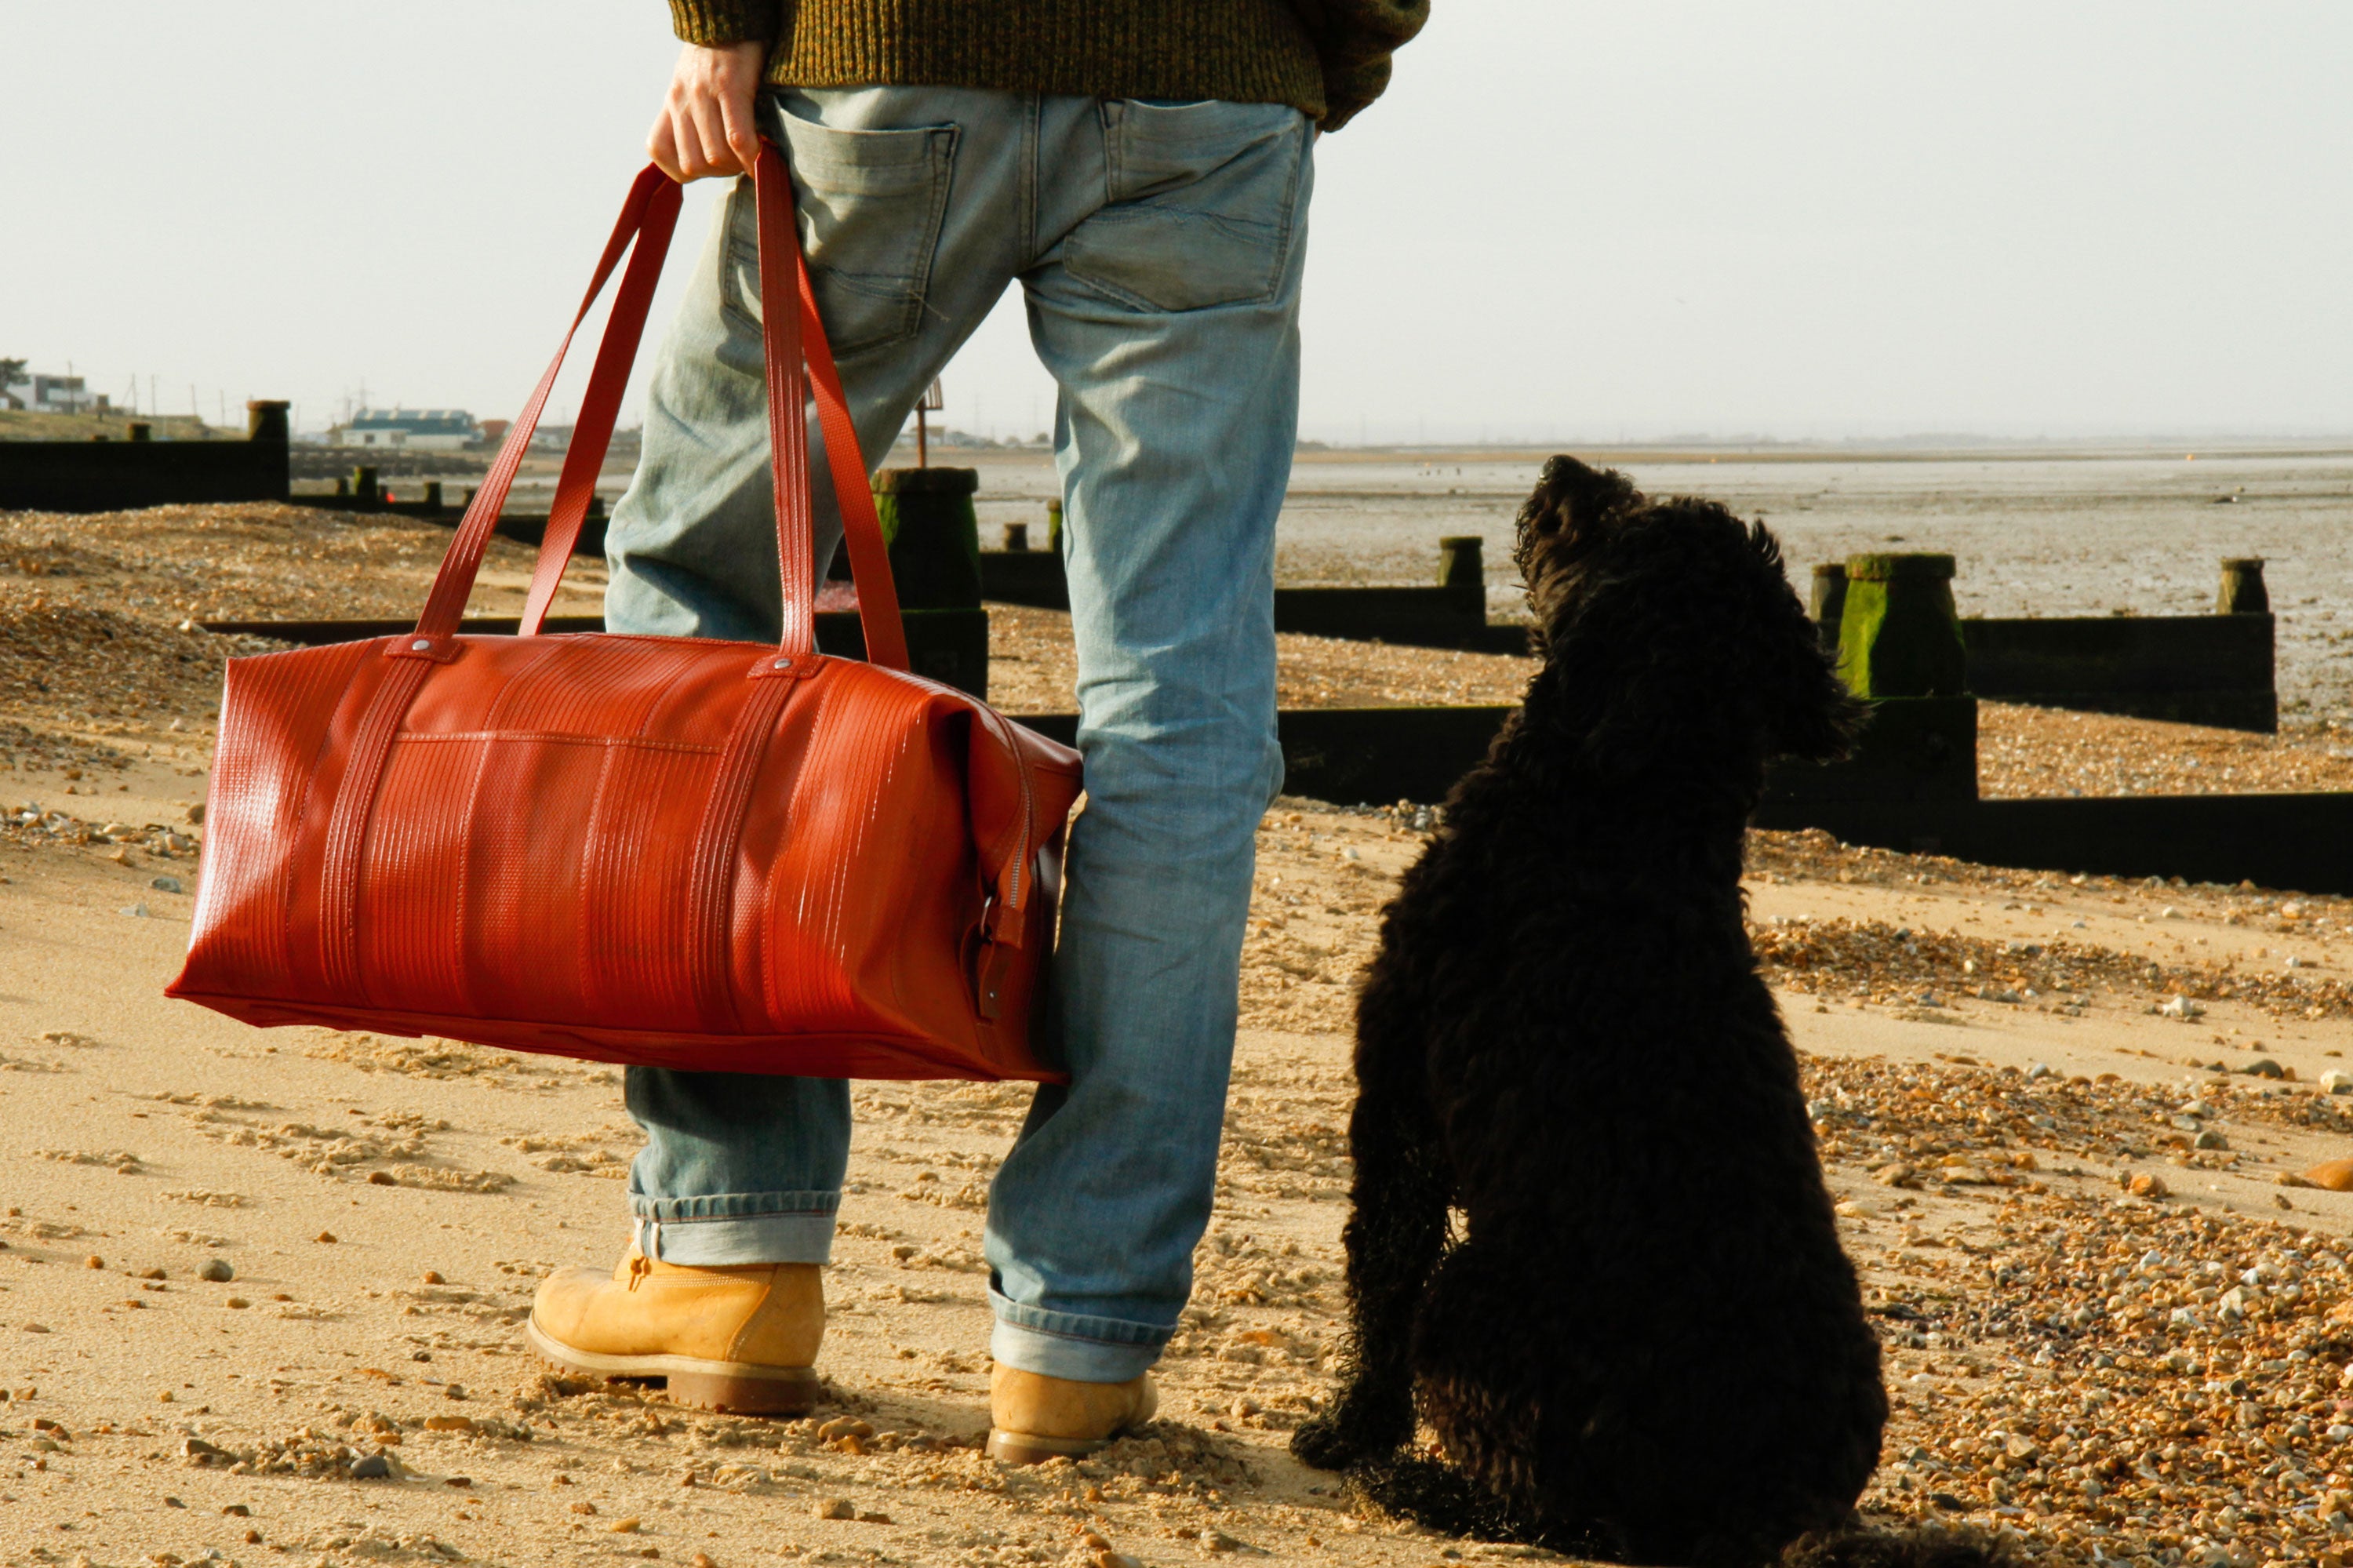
{"x":784,"y":665}
{"x":422,"y":645}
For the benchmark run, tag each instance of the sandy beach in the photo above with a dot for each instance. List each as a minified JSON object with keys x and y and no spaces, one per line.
{"x":2067,"y":1119}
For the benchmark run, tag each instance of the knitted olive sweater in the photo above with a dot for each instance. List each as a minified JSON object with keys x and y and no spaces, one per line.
{"x":1327,"y":58}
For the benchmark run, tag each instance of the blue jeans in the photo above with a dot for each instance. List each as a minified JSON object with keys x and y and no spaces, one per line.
{"x":1158,"y":246}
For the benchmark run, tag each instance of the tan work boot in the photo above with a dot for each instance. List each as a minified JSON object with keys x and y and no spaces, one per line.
{"x":1033,"y":1418}
{"x":740,"y":1338}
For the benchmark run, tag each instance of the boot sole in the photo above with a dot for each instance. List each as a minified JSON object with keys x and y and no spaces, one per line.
{"x":740,"y":1388}
{"x":1018,"y":1448}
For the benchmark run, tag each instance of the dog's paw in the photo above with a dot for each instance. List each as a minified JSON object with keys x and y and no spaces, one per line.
{"x":1327,"y":1444}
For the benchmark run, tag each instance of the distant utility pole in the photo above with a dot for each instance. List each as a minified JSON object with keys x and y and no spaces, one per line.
{"x":931,"y":399}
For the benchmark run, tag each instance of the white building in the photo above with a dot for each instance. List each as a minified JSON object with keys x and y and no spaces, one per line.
{"x":50,"y":395}
{"x":411,"y":430}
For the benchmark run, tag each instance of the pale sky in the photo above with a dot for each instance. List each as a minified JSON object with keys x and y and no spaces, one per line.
{"x":1566,"y":220}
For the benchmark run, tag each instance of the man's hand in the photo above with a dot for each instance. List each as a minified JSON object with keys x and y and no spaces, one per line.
{"x":706,"y":125}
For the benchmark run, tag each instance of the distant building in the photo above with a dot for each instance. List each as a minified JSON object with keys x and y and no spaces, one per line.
{"x":50,"y":395}
{"x":415,"y":429}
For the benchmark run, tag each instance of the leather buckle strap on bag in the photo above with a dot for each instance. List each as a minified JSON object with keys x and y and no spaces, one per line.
{"x":749,"y":875}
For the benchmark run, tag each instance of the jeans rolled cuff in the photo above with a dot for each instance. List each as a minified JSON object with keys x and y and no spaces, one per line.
{"x":1072,"y":1345}
{"x":734,"y":1229}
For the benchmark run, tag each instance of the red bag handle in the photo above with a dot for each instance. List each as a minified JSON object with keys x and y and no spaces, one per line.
{"x":787,"y":333}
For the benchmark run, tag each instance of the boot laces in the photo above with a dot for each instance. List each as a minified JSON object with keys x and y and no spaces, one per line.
{"x":639,"y":1267}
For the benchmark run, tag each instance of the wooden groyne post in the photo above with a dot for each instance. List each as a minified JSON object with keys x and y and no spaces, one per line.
{"x":2242,"y":591}
{"x":1899,"y":635}
{"x":1830,"y":600}
{"x":1461,"y":567}
{"x":927,"y":515}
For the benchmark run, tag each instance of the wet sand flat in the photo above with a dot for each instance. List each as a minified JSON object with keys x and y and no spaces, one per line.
{"x":2038,"y":531}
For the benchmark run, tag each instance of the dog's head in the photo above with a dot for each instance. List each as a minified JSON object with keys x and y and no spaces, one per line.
{"x":1671,"y":627}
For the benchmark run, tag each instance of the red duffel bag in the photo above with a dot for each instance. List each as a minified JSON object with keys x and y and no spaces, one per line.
{"x":671,"y":852}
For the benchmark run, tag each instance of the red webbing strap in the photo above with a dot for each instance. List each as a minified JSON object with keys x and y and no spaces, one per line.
{"x":653,"y":190}
{"x":797,"y":360}
{"x":861,"y":531}
{"x":577,"y":488}
{"x":780,"y":341}
{"x":347,"y":826}
{"x":804,"y":328}
{"x":711,"y":892}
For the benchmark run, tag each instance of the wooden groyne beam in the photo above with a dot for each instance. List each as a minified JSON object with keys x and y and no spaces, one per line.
{"x":107,"y":475}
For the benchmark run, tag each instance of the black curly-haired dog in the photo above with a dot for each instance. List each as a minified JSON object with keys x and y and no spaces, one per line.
{"x":1645,"y":1340}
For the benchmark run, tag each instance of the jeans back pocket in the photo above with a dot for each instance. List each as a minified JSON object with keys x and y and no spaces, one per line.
{"x":1202,"y":208}
{"x":871,"y":206}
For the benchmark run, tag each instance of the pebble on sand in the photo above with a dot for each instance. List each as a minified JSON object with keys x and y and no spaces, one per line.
{"x":93,"y":1261}
{"x":326,"y":1236}
{"x":835,"y":1508}
{"x":216,"y":1271}
{"x":2334,"y":1175}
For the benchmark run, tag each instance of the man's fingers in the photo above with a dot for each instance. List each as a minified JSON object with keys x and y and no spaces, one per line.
{"x":707,"y":125}
{"x":743,"y":131}
{"x":710,"y":131}
{"x":661,"y":146}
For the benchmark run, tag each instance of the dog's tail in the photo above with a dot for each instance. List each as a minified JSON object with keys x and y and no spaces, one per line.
{"x":1928,"y":1546}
